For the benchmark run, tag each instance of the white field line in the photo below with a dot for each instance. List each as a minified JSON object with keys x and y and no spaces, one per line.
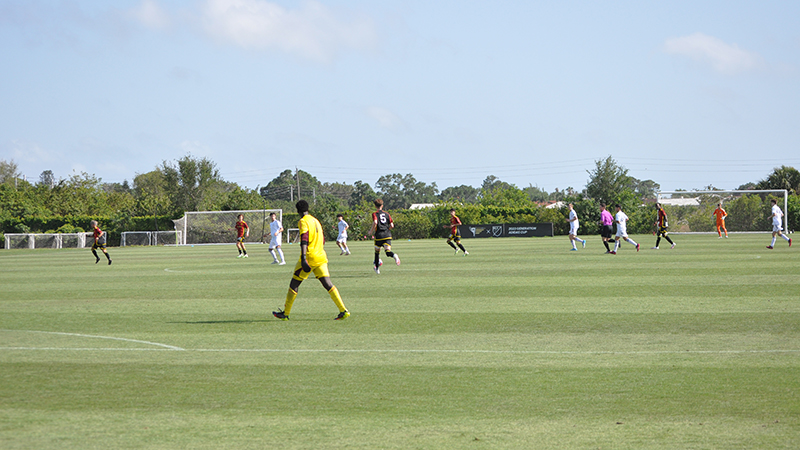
{"x":170,"y":347}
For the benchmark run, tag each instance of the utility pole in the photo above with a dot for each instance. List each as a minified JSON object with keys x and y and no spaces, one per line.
{"x":297,"y":176}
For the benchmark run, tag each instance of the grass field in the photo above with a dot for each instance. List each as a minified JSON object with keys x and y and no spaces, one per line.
{"x":522,"y":344}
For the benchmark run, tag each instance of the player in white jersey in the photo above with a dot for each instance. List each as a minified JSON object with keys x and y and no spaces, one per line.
{"x":275,"y":232}
{"x":621,"y":219}
{"x":777,"y":224}
{"x":573,"y":228}
{"x":341,"y":239}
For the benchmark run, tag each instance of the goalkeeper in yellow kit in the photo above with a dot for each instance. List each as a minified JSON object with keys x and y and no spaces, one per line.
{"x":312,"y":259}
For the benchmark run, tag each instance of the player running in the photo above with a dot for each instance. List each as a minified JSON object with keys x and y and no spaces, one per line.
{"x":381,"y":229}
{"x":720,"y":214}
{"x":454,"y":235}
{"x":661,"y":223}
{"x":312,"y":259}
{"x":99,"y":242}
{"x":777,"y":224}
{"x":607,"y":226}
{"x":573,"y":228}
{"x":341,"y":239}
{"x":242,"y":231}
{"x":621,"y":219}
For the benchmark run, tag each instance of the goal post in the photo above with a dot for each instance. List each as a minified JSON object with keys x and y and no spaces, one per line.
{"x":748,"y":210}
{"x":218,"y":227}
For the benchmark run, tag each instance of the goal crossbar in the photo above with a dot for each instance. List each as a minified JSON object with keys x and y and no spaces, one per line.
{"x":663,"y":196}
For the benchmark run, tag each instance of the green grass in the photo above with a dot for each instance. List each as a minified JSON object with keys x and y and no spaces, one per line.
{"x":522,"y":344}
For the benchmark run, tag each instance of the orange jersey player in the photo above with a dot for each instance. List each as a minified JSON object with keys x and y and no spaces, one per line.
{"x":720,"y":214}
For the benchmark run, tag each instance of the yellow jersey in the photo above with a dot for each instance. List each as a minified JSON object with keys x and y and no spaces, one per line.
{"x":315,"y":255}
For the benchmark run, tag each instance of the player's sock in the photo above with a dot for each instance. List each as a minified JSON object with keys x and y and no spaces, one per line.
{"x":462,"y":247}
{"x":337,"y":299}
{"x":108,"y":257}
{"x":608,"y":249}
{"x":773,"y":241}
{"x":376,"y":263}
{"x":450,"y":243}
{"x":280,"y":253}
{"x":632,"y":242}
{"x":573,"y":244}
{"x":96,"y":258}
{"x":616,"y":245}
{"x":785,"y":237}
{"x":658,"y":241}
{"x":669,"y":240}
{"x":290,"y":296}
{"x":274,"y":256}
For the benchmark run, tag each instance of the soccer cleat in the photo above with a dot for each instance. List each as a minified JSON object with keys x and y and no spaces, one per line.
{"x":673,"y":246}
{"x":378,"y":267}
{"x":343,"y":315}
{"x":637,"y":247}
{"x":467,"y":253}
{"x":275,"y":262}
{"x":240,"y":255}
{"x":245,"y":256}
{"x":573,"y":249}
{"x":280,"y":315}
{"x":109,"y":261}
{"x":456,"y":253}
{"x":769,"y":247}
{"x":282,"y":263}
{"x":97,"y":261}
{"x":653,"y":248}
{"x":397,"y":259}
{"x":790,"y":242}
{"x":613,"y":253}
{"x":347,"y":253}
{"x":584,"y":243}
{"x":342,"y":253}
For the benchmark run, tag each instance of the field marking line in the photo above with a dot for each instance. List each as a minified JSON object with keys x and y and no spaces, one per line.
{"x":171,"y":347}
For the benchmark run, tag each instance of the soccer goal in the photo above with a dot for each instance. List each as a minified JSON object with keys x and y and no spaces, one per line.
{"x":293,"y":235}
{"x":218,"y":227}
{"x":47,"y":240}
{"x":129,"y":238}
{"x":748,"y":211}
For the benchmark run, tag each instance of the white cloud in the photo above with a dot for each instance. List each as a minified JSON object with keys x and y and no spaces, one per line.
{"x":313,"y":31}
{"x":151,"y":15}
{"x":721,"y":56}
{"x":385,"y":118}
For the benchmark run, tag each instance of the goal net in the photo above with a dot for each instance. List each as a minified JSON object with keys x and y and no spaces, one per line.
{"x":48,"y":240}
{"x":293,"y":235}
{"x":150,"y":238}
{"x":219,"y":227}
{"x":748,"y":211}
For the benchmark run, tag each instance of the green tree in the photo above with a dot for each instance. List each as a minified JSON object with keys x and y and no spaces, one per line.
{"x":192,"y":184}
{"x":362,"y":195}
{"x":610,"y":183}
{"x":783,"y":177}
{"x":9,"y":172}
{"x":399,"y":192}
{"x":150,"y":194}
{"x":461,"y":194}
{"x":285,"y":186}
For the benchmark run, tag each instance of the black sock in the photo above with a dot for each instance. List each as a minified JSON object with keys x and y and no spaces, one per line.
{"x":606,"y":244}
{"x":451,"y":245}
{"x":377,"y":258}
{"x":669,"y":240}
{"x":462,"y":248}
{"x":658,"y":241}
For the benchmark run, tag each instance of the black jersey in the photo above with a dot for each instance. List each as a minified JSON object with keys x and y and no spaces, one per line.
{"x":383,"y":229}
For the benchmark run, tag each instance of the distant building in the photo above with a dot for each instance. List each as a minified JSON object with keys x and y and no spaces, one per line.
{"x":422,"y":205}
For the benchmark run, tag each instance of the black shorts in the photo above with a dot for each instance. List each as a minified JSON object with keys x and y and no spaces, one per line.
{"x":607,"y":231}
{"x":100,"y":245}
{"x":383,"y":241}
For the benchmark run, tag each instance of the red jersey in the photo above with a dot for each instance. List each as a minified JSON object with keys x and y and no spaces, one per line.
{"x":241,"y":226}
{"x":98,"y":235}
{"x":662,"y":218}
{"x":454,"y":223}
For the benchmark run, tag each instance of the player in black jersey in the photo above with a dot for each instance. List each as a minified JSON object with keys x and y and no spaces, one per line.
{"x":382,"y":225}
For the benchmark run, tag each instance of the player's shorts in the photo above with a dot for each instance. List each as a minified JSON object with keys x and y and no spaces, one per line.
{"x":320,"y":271}
{"x":622,"y":232}
{"x":454,"y":237}
{"x":275,"y":241}
{"x":662,"y":230}
{"x":573,"y":229}
{"x":341,"y":238}
{"x":100,"y":245}
{"x":240,"y":239}
{"x":776,"y":227}
{"x":607,"y":231}
{"x":382,"y":242}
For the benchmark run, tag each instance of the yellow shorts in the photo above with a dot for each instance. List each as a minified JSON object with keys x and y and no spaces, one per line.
{"x":320,"y":271}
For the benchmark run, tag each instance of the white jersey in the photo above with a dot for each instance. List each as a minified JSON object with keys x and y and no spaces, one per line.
{"x":777,"y":218}
{"x":573,"y":224}
{"x":274,"y":227}
{"x":622,"y":224}
{"x":342,"y":231}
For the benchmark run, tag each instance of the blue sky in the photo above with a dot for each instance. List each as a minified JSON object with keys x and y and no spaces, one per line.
{"x":686,"y":93}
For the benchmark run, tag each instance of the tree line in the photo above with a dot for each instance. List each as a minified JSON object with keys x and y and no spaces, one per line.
{"x":154,"y":198}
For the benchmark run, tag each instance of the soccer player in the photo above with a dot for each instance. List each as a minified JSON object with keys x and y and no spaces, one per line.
{"x":662,"y":224}
{"x":381,"y":229}
{"x":607,"y":224}
{"x":341,"y":239}
{"x":454,"y":235}
{"x":312,"y":259}
{"x":777,"y":224}
{"x":720,"y":214}
{"x":573,"y":228}
{"x":621,"y":219}
{"x":99,"y":242}
{"x":275,"y":233}
{"x":242,"y":231}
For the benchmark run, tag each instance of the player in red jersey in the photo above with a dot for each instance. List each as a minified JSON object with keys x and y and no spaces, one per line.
{"x":661,"y":223}
{"x":242,"y":231}
{"x":99,"y":242}
{"x":454,"y":234}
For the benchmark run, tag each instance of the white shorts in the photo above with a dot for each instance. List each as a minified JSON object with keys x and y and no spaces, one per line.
{"x":622,"y":232}
{"x":275,"y":241}
{"x":573,"y":228}
{"x":776,"y":227}
{"x":342,"y":237}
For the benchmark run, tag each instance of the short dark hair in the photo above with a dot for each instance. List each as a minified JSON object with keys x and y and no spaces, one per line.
{"x":773,"y":201}
{"x":452,"y":210}
{"x":617,"y":206}
{"x":378,"y":202}
{"x":602,"y":205}
{"x":302,"y":206}
{"x":339,"y":215}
